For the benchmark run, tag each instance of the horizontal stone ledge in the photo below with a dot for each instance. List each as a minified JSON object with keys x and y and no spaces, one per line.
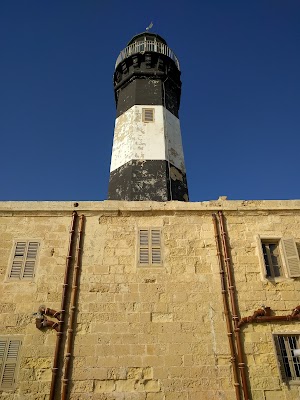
{"x":124,"y":208}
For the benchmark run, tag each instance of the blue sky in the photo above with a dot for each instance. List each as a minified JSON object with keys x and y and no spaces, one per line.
{"x":239,"y":114}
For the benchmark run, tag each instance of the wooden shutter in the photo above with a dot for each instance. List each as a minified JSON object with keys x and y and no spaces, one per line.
{"x":150,"y":246}
{"x":18,"y":260}
{"x":155,"y":246}
{"x":280,"y":348}
{"x":144,"y":246}
{"x":291,"y":257}
{"x":9,"y":354}
{"x":2,"y":355}
{"x":30,"y":261}
{"x":24,"y":260}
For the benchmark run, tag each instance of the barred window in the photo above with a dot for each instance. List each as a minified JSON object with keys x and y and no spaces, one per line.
{"x":288,"y":360}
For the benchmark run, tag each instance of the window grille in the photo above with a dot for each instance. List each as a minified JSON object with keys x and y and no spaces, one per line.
{"x":288,"y":363}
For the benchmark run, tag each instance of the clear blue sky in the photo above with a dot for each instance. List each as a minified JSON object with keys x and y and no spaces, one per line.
{"x":240,"y":105}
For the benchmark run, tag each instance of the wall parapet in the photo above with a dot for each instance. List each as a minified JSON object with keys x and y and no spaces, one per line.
{"x":113,"y":207}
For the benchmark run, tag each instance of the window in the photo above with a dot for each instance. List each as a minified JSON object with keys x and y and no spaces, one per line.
{"x":149,"y":249}
{"x":288,"y":363}
{"x":24,"y":260}
{"x":9,"y":357}
{"x":148,"y":114}
{"x":280,"y":258}
{"x":272,"y":258}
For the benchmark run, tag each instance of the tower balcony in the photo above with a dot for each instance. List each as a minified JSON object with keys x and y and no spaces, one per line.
{"x":147,"y":46}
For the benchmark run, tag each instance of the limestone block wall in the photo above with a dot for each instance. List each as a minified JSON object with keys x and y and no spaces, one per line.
{"x":145,"y":333}
{"x":253,"y":290}
{"x":19,"y":299}
{"x":150,"y":333}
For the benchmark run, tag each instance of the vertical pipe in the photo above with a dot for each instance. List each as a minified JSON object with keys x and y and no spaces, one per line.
{"x":73,"y":308}
{"x":226,"y":312}
{"x":63,"y":306}
{"x":234,"y":309}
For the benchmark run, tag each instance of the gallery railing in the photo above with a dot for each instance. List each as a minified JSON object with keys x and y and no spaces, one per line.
{"x":147,"y":45}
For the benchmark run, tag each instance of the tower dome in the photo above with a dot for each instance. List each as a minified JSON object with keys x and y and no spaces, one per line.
{"x":147,"y":158}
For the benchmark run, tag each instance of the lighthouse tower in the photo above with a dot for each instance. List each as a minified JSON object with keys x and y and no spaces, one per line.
{"x":147,"y":157}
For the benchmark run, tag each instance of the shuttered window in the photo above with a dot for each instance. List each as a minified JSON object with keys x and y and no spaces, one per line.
{"x":148,"y":114}
{"x":288,"y":362}
{"x":24,"y":260}
{"x":280,"y":253}
{"x":9,"y":357}
{"x":149,"y":249}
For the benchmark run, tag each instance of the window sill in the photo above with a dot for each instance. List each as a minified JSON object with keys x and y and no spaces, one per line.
{"x":278,"y":279}
{"x":292,"y":383}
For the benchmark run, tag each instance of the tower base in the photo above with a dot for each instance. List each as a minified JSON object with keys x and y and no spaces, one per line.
{"x":155,"y":180}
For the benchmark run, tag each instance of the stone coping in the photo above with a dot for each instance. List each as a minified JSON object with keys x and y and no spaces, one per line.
{"x":119,"y":207}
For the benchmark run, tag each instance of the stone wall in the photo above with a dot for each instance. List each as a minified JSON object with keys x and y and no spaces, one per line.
{"x":148,"y":333}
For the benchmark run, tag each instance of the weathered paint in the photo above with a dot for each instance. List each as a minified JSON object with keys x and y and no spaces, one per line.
{"x":147,"y":77}
{"x":174,"y":149}
{"x":141,"y":180}
{"x":151,"y":91}
{"x":137,"y":140}
{"x":147,"y":158}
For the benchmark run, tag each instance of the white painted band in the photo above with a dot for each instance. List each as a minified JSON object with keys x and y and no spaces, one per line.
{"x":138,"y":140}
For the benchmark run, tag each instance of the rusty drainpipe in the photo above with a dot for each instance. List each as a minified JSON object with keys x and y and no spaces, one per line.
{"x":226,"y":312}
{"x":73,"y":308}
{"x":63,"y":306}
{"x":234,"y":309}
{"x":263,"y":315}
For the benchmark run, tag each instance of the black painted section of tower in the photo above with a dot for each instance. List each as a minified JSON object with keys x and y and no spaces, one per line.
{"x":152,"y":91}
{"x":154,"y":180}
{"x":148,"y":78}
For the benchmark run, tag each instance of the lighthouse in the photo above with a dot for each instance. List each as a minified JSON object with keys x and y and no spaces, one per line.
{"x":147,"y":160}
